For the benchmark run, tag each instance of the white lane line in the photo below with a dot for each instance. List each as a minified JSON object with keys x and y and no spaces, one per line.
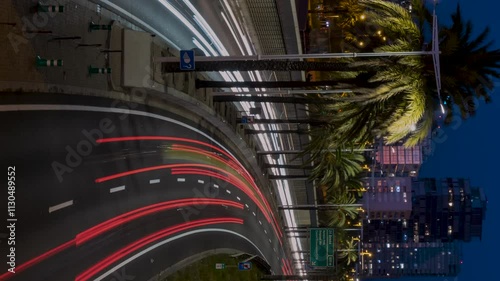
{"x":216,"y":186}
{"x":254,"y":214}
{"x":181,"y":179}
{"x":239,"y":199}
{"x":246,"y":205}
{"x":274,"y":250}
{"x":154,"y":181}
{"x":260,"y":222}
{"x":116,"y":189}
{"x":270,"y":241}
{"x":200,"y":181}
{"x":168,"y":240}
{"x":60,"y":206}
{"x":227,"y":190}
{"x":265,"y":231}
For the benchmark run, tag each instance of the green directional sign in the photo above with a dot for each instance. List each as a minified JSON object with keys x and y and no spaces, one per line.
{"x":322,"y":251}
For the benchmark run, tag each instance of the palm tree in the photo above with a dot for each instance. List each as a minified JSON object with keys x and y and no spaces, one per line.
{"x":344,"y":210}
{"x":468,"y":66}
{"x":349,"y":251}
{"x":335,"y":166}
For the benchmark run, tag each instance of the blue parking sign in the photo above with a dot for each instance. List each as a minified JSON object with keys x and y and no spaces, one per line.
{"x":187,"y":60}
{"x":244,"y":265}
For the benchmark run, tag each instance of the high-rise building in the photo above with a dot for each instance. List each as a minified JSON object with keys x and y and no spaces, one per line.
{"x":392,"y":260}
{"x":446,"y":210}
{"x":396,"y":160}
{"x":444,"y":214}
{"x":388,"y":198}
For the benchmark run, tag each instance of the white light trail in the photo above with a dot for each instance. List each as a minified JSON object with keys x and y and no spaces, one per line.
{"x":179,"y":16}
{"x":199,"y":46}
{"x":232,"y":32}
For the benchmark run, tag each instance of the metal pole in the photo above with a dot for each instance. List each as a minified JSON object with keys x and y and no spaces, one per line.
{"x":296,"y":56}
{"x":325,"y":150}
{"x":286,"y":207}
{"x":288,"y":92}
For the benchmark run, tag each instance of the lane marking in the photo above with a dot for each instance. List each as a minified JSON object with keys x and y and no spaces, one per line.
{"x":154,"y":181}
{"x":254,"y":214}
{"x":60,"y":206}
{"x":227,"y":190}
{"x":216,"y":186}
{"x":168,"y":240}
{"x":246,"y":205}
{"x":116,"y":189}
{"x":265,"y":231}
{"x":270,"y":241}
{"x":239,"y":199}
{"x":181,"y":179}
{"x":200,"y":181}
{"x":260,"y":222}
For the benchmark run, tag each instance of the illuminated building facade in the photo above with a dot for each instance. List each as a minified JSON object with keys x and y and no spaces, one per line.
{"x":444,"y":214}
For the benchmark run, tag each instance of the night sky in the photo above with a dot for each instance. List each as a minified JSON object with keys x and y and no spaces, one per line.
{"x":472,"y":151}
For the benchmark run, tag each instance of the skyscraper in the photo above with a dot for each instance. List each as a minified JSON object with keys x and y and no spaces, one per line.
{"x":427,"y":242}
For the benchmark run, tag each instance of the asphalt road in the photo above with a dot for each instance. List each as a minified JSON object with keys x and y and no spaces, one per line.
{"x":165,"y":20}
{"x":33,"y":140}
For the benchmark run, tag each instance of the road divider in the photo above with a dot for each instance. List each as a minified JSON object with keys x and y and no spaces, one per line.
{"x":41,"y":62}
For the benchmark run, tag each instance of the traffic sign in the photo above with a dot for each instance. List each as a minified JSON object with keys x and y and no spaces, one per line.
{"x":322,"y":249}
{"x":244,"y":265}
{"x":246,"y":119}
{"x":220,"y":266}
{"x":187,"y":60}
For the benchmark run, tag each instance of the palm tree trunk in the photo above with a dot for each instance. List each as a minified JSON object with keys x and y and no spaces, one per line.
{"x":252,"y":65}
{"x":272,"y":84}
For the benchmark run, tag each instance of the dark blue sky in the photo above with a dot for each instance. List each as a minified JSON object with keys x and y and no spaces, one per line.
{"x":472,"y":150}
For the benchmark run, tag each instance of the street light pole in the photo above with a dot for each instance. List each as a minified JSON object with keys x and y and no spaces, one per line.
{"x":297,"y":56}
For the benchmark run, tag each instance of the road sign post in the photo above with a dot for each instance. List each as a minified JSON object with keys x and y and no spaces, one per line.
{"x":244,"y":265}
{"x":187,"y":60}
{"x":322,"y":247}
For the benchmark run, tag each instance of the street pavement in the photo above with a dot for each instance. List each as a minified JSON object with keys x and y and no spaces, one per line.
{"x":45,"y":138}
{"x":34,"y":140}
